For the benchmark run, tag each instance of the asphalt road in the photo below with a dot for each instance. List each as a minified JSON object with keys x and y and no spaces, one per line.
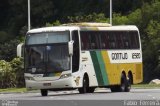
{"x":101,"y":97}
{"x":99,"y":94}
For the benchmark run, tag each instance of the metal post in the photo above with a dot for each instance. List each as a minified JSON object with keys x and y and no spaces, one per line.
{"x":111,"y":12}
{"x":29,"y":17}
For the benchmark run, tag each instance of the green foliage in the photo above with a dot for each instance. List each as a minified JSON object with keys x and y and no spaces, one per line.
{"x":150,"y":62}
{"x":153,"y":32}
{"x":8,"y":49}
{"x":11,"y":73}
{"x":18,"y":69}
{"x":56,"y":23}
{"x":135,"y":18}
{"x":41,"y":12}
{"x":88,"y":18}
{"x":7,"y":76}
{"x":4,"y":36}
{"x":118,"y":19}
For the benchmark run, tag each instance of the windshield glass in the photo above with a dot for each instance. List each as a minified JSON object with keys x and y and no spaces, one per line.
{"x":51,"y":58}
{"x":49,"y":37}
{"x":34,"y":58}
{"x":47,"y":52}
{"x":58,"y":57}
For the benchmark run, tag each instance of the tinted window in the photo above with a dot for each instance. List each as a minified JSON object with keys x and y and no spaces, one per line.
{"x":84,"y":41}
{"x":134,"y":40}
{"x":125,"y":40}
{"x":104,"y":40}
{"x":90,"y":40}
{"x":109,"y":40}
{"x":119,"y":41}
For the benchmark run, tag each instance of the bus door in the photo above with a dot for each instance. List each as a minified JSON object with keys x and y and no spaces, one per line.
{"x":76,"y":52}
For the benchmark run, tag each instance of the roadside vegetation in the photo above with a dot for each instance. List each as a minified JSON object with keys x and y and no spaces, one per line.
{"x":146,"y":86}
{"x":143,"y":13}
{"x":11,"y":73}
{"x":13,"y":90}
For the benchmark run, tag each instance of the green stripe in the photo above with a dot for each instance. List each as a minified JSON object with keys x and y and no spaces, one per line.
{"x":102,"y":67}
{"x":97,"y":68}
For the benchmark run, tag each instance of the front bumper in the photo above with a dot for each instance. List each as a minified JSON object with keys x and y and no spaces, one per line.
{"x":59,"y":83}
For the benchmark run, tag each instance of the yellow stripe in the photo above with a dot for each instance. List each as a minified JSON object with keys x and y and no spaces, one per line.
{"x":114,"y":70}
{"x":110,"y":69}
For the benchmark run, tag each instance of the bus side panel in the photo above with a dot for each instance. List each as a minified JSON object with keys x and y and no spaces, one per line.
{"x":106,"y":72}
{"x":111,"y":69}
{"x":134,"y":68}
{"x":87,"y":66}
{"x":125,"y":61}
{"x":138,"y":73}
{"x":109,"y":72}
{"x":99,"y":66}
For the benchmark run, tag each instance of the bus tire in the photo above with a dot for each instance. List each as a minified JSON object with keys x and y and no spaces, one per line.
{"x":91,"y":89}
{"x":121,"y":87}
{"x":123,"y":84}
{"x":128,"y":87}
{"x":85,"y":87}
{"x":129,"y":82}
{"x":114,"y":88}
{"x":44,"y":92}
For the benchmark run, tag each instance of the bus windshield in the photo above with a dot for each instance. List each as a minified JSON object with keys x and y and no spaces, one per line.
{"x":51,"y":58}
{"x":47,"y":37}
{"x":49,"y":54}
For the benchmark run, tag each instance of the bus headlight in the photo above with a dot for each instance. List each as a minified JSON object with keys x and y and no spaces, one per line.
{"x":65,"y":75}
{"x":29,"y":78}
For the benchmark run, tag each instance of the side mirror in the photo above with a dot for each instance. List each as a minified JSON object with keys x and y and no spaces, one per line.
{"x":20,"y":50}
{"x":70,"y":47}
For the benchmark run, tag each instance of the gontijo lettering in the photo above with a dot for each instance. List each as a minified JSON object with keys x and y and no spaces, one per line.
{"x":119,"y":56}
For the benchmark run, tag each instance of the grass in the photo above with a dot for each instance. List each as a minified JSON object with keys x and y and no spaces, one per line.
{"x":8,"y":90}
{"x":146,"y":86}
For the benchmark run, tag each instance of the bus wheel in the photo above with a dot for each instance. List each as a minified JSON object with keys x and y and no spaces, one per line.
{"x":124,"y":84}
{"x":91,"y":89}
{"x":114,"y":89}
{"x":129,"y":82}
{"x":128,"y":86}
{"x":44,"y":92}
{"x":85,"y":86}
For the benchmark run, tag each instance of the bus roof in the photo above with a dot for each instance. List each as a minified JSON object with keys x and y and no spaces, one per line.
{"x":85,"y":27}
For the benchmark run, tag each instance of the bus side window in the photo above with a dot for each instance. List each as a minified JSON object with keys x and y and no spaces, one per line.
{"x":76,"y":54}
{"x":104,"y":40}
{"x":135,"y":40}
{"x":125,"y":40}
{"x":84,"y":41}
{"x":112,"y":40}
{"x":92,"y":38}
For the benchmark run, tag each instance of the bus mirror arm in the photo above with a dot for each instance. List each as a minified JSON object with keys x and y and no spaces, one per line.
{"x":70,"y":47}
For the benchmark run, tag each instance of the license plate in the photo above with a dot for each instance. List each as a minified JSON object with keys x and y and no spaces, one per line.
{"x":46,"y":84}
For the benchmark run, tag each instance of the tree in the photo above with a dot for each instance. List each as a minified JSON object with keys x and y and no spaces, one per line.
{"x":8,"y":49}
